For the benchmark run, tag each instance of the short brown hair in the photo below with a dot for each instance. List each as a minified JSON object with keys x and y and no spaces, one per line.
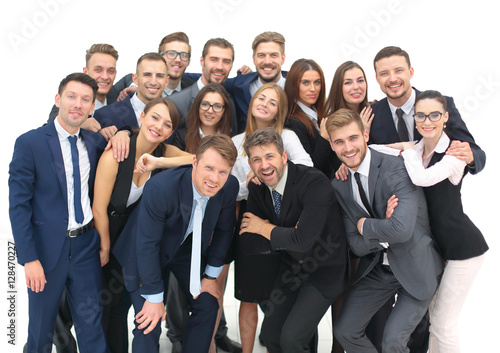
{"x":222,"y":144}
{"x":174,"y":37}
{"x":269,"y":37}
{"x":151,"y":56}
{"x":217,"y":42}
{"x":264,"y":137}
{"x":79,"y":77}
{"x":343,"y":117}
{"x":387,"y":52}
{"x":101,"y":48}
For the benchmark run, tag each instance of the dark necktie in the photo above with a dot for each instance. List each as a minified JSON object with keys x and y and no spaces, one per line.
{"x":277,"y":203}
{"x":402,"y":129}
{"x":77,"y":199}
{"x":364,"y":199}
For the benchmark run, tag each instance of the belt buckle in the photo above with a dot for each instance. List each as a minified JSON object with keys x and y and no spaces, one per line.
{"x":73,"y":233}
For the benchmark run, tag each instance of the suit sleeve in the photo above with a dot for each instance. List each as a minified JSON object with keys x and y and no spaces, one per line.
{"x":224,"y":228}
{"x":21,"y":190}
{"x":154,"y":209}
{"x":53,"y":113}
{"x":399,"y":228}
{"x":457,"y":130}
{"x":317,"y":198}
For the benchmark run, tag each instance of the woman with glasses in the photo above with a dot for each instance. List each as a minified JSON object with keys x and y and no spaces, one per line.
{"x":460,"y":242}
{"x":209,"y":114}
{"x":255,"y":273}
{"x":305,"y":91}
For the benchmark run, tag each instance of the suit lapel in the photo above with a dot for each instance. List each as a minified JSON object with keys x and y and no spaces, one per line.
{"x":91,"y":151}
{"x":130,"y":118}
{"x":286,"y":200}
{"x":55,"y":150}
{"x":186,"y":199}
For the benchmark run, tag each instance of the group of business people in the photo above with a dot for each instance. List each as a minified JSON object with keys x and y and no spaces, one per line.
{"x":311,"y":216}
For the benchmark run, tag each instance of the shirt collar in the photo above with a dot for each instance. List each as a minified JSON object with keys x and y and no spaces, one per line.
{"x":364,"y":167}
{"x":168,"y":92}
{"x":197,"y":195}
{"x":310,"y":112}
{"x":138,"y":106}
{"x":61,"y":132}
{"x":407,"y":107}
{"x":200,"y":84}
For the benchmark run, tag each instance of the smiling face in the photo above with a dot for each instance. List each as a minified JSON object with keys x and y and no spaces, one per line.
{"x":216,"y":65}
{"x":393,"y":75}
{"x":350,"y":144}
{"x":75,"y":104}
{"x":268,"y":59}
{"x":102,"y":68}
{"x":151,"y":78}
{"x":265,"y":107}
{"x":210,"y":172}
{"x":208,"y":118}
{"x":267,"y":163}
{"x":176,"y":67}
{"x":354,"y":88}
{"x":309,"y":87}
{"x":430,"y":130}
{"x":156,"y":124}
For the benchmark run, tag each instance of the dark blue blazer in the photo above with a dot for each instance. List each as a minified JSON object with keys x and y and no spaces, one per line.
{"x":119,"y":114}
{"x":38,"y":200}
{"x":160,"y":223}
{"x":383,"y":130}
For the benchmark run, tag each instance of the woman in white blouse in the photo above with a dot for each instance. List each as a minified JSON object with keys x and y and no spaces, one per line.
{"x":460,"y":242}
{"x":254,"y":274}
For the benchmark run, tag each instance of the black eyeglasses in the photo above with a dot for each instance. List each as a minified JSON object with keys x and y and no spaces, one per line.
{"x":172,"y":54}
{"x":217,"y":107}
{"x":434,"y":116}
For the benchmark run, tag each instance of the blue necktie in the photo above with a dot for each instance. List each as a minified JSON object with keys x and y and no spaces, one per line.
{"x":76,"y":180}
{"x":277,"y":203}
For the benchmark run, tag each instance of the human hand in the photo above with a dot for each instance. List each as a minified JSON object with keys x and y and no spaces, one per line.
{"x":91,"y":125}
{"x":149,"y":316}
{"x":209,"y":286}
{"x":108,"y":132}
{"x":392,"y":203}
{"x":146,"y":163}
{"x":462,"y":151}
{"x":252,"y":178}
{"x":120,"y":143}
{"x":35,"y":277}
{"x":367,"y":118}
{"x":342,"y":173}
{"x":125,"y":92}
{"x":244,"y":70}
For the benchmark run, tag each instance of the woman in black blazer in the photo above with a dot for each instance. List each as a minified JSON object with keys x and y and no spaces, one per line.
{"x":460,"y":242}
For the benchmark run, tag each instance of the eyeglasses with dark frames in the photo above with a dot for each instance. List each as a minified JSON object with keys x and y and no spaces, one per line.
{"x":172,"y":54}
{"x":216,"y":107}
{"x":434,"y":116}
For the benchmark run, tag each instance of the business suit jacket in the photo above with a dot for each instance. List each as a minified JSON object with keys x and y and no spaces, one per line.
{"x":309,"y":232}
{"x":161,"y":223}
{"x":412,"y":255}
{"x":119,"y":114}
{"x":38,"y":193}
{"x":383,"y":130}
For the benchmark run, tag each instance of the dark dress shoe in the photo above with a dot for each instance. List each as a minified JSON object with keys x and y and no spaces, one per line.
{"x":176,"y":347}
{"x":228,"y":345}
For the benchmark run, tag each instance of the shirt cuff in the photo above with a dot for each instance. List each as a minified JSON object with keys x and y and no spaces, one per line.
{"x":153,"y":298}
{"x":213,"y":271}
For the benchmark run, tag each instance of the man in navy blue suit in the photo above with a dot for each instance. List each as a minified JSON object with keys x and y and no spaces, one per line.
{"x":268,"y":57}
{"x":51,"y":178}
{"x":166,"y":235}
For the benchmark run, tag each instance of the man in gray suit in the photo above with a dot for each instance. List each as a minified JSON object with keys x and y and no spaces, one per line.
{"x":398,"y":255}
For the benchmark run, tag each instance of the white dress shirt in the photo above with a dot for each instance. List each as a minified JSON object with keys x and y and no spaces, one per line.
{"x":138,"y":106}
{"x":408,"y":111}
{"x":84,"y":164}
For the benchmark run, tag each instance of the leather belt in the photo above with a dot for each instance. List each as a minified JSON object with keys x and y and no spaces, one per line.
{"x":73,"y":233}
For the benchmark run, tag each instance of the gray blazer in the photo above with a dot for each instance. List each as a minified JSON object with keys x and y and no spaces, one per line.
{"x":412,"y":254}
{"x":184,"y":99}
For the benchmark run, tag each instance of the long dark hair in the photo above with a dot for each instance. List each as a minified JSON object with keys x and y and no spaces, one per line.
{"x":292,"y":84}
{"x":193,"y":137}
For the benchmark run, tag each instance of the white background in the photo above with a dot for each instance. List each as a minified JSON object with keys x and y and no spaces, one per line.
{"x":453,"y":48}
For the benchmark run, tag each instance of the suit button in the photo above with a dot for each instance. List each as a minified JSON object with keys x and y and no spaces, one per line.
{"x":301,"y":261}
